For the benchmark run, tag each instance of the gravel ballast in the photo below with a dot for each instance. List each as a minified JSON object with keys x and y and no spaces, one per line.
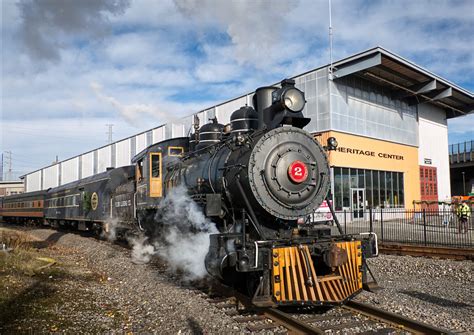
{"x":126,"y":297}
{"x":438,"y":292}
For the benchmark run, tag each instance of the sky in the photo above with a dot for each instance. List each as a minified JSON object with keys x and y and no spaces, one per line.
{"x":70,"y":67}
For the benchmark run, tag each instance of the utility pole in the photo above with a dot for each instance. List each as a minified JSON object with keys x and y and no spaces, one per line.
{"x":8,"y":158}
{"x":109,"y":133}
{"x":1,"y":169}
{"x":330,"y":41}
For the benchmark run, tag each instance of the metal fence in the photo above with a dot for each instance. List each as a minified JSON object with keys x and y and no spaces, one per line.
{"x":421,"y":227}
{"x":461,"y":152}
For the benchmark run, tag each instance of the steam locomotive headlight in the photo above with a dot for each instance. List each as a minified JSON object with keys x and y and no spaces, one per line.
{"x":293,"y":99}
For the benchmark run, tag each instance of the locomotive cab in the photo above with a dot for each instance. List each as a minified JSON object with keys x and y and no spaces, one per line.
{"x":150,"y":171}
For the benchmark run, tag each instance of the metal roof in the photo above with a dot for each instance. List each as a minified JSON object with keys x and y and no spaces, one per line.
{"x":407,"y":80}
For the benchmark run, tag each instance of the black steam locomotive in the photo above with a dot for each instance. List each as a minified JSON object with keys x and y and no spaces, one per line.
{"x":258,"y":179}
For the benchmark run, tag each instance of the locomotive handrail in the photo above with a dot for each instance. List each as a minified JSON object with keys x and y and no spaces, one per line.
{"x":376,"y":241}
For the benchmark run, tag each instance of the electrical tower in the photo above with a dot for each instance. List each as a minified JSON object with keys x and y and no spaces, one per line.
{"x":1,"y":169}
{"x":109,"y":133}
{"x":8,"y":162}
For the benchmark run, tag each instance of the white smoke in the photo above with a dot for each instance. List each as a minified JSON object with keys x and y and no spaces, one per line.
{"x":142,"y":251}
{"x":254,"y":26}
{"x":110,"y":229}
{"x":48,"y":25}
{"x":133,"y":112}
{"x":186,"y":234}
{"x":183,"y":240}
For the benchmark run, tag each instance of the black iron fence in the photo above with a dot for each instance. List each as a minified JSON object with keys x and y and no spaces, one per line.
{"x":422,"y":227}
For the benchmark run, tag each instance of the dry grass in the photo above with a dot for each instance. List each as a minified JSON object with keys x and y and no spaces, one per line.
{"x":38,"y":294}
{"x":15,"y":239}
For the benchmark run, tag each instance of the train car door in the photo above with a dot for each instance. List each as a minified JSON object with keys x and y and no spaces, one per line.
{"x":156,"y":182}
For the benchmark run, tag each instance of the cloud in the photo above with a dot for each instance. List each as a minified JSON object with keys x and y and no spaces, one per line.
{"x":462,"y":125}
{"x":254,"y":27}
{"x":47,"y":26}
{"x":133,"y":112}
{"x":153,"y":61}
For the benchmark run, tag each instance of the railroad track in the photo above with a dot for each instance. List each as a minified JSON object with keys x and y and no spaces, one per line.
{"x":427,"y":251}
{"x":352,"y":318}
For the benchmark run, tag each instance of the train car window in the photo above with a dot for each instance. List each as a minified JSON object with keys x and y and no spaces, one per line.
{"x":175,"y":151}
{"x":155,"y":166}
{"x":139,"y":170}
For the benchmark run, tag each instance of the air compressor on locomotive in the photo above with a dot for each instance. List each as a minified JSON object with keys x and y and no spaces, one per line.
{"x":257,"y":179}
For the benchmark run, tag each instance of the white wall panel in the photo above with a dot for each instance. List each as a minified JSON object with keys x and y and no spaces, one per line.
{"x":50,"y":176}
{"x":158,"y":134}
{"x":177,"y":130}
{"x":140,"y":142}
{"x":122,"y":153}
{"x":69,"y":171}
{"x":33,"y":182}
{"x":223,"y":112}
{"x":104,"y":158}
{"x":433,"y":141}
{"x":87,"y":164}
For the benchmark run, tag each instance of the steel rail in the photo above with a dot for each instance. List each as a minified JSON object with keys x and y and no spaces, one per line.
{"x":293,"y":325}
{"x":416,"y":250}
{"x":396,"y":320}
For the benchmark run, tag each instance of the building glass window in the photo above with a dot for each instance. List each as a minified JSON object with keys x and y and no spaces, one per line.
{"x":368,"y":188}
{"x":345,"y":187}
{"x":354,"y":180}
{"x":381,"y":188}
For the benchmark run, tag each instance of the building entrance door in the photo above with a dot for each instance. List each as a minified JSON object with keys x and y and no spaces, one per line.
{"x":358,"y":203}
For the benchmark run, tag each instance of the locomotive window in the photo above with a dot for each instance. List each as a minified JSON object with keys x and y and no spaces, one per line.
{"x":155,"y":165}
{"x":140,"y":170}
{"x":175,"y":151}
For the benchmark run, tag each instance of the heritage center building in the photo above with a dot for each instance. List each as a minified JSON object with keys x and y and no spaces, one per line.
{"x":389,"y":117}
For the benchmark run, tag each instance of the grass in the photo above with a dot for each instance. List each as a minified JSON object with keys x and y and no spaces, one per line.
{"x":39,"y":294}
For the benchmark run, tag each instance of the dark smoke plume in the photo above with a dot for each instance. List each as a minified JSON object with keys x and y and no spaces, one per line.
{"x":51,"y":25}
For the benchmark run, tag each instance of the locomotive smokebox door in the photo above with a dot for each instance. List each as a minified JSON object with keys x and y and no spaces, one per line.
{"x":213,"y":204}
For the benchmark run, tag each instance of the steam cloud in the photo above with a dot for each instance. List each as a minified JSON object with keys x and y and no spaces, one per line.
{"x":253,"y":26}
{"x":132,"y":112}
{"x":187,"y":233}
{"x":47,"y":24}
{"x":183,"y":239}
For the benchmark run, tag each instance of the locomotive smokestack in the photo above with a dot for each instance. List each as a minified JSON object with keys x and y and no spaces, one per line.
{"x":262,"y":100}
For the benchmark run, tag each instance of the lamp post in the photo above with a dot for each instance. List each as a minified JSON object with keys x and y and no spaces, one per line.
{"x":463,"y":184}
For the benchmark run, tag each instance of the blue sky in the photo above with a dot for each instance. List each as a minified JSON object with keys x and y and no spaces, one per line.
{"x":71,"y":67}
